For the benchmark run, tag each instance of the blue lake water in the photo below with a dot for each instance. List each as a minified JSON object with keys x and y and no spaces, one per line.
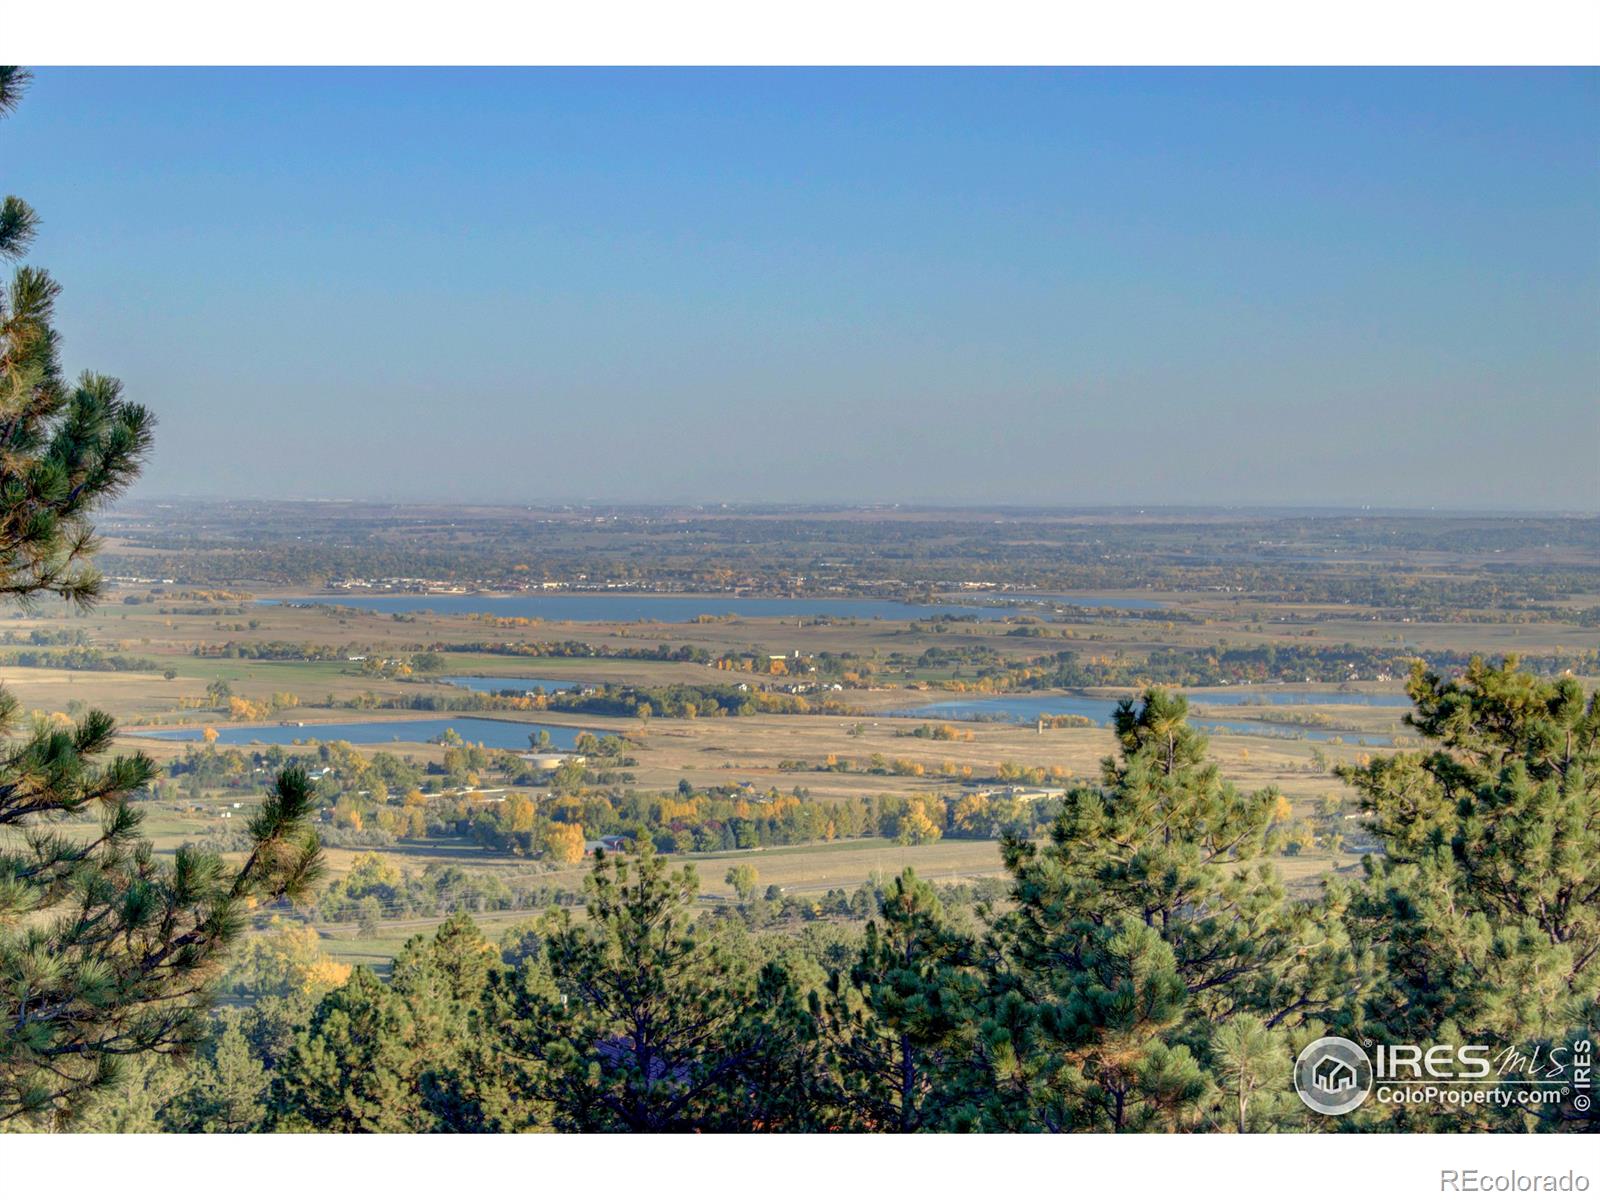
{"x":499,"y":735}
{"x":681,"y":609}
{"x":506,"y":683}
{"x":1026,"y":709}
{"x":1284,"y":699}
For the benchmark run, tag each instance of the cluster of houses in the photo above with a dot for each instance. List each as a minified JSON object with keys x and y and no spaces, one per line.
{"x":439,"y":587}
{"x":1027,"y":795}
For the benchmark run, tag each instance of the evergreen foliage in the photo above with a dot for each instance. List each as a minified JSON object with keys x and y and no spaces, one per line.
{"x":896,"y":1027}
{"x":105,"y":951}
{"x":1147,"y":972}
{"x":636,"y":1019}
{"x":1483,"y":915}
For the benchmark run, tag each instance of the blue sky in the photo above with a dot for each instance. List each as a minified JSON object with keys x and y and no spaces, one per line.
{"x":1075,"y":287}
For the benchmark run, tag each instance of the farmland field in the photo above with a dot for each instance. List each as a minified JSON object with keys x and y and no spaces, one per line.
{"x":889,"y":708}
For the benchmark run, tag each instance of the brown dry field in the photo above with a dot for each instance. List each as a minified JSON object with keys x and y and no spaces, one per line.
{"x":706,"y":752}
{"x":748,"y":749}
{"x":727,"y":750}
{"x":140,"y":630}
{"x":169,"y":639}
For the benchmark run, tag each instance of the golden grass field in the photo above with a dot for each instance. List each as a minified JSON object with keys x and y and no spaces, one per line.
{"x":719,"y":751}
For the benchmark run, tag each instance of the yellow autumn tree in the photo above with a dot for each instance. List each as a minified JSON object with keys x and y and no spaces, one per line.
{"x":972,"y":816}
{"x":521,"y":813}
{"x":240,"y":709}
{"x":921,"y":823}
{"x":677,"y":808}
{"x":324,"y":975}
{"x":563,"y":842}
{"x":288,"y":958}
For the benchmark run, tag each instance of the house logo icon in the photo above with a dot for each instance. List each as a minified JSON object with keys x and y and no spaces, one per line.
{"x":1333,"y":1076}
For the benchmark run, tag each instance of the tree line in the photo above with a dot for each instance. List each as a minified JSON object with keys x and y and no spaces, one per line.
{"x":1145,"y":969}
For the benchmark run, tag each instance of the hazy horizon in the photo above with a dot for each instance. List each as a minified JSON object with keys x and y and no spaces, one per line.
{"x":1067,"y":289}
{"x":143,"y":498}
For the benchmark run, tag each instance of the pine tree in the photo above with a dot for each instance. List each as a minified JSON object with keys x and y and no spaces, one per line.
{"x":1253,"y":1067}
{"x":226,"y":1090}
{"x":106,"y":951}
{"x":443,"y":981}
{"x":1151,"y":915}
{"x":1167,"y":841}
{"x":67,"y":448}
{"x":1485,"y":910}
{"x":355,"y":1068}
{"x":410,"y":1056}
{"x":636,"y":1019}
{"x":1092,"y":1043}
{"x":896,"y":1026}
{"x":140,"y":1100}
